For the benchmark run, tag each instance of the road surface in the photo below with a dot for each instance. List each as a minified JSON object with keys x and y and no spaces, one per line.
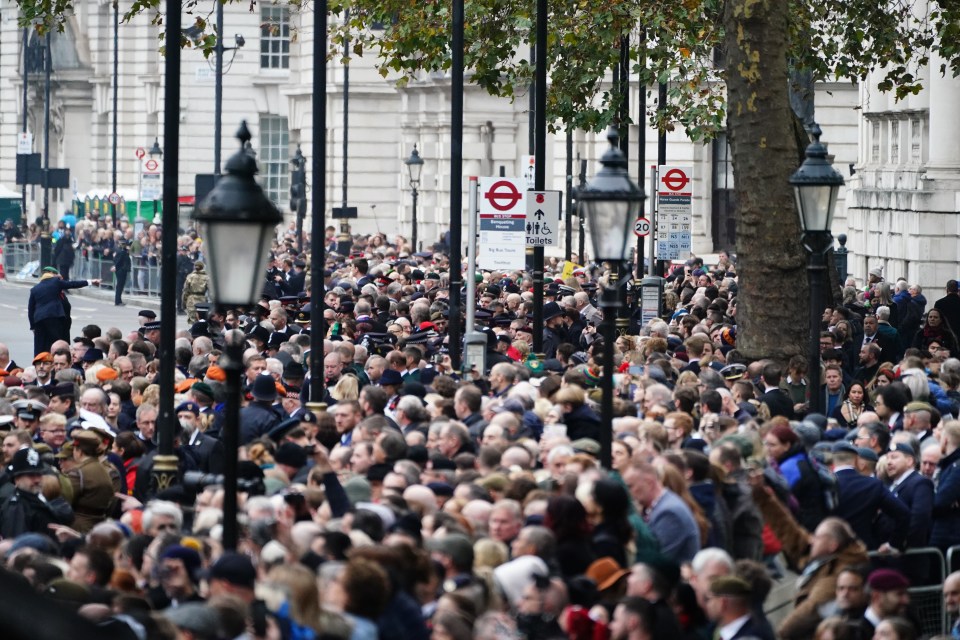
{"x":88,"y":308}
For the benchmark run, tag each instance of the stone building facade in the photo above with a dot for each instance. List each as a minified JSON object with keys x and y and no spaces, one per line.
{"x":268,"y":83}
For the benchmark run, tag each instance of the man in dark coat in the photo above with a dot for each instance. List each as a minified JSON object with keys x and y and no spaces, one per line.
{"x":949,"y":306}
{"x":25,"y":511}
{"x":121,"y":269}
{"x":862,"y":497}
{"x":295,"y":278}
{"x":773,"y":396}
{"x":206,"y":451}
{"x":552,"y":327}
{"x":64,"y":254}
{"x":47,"y":314}
{"x":259,"y":417}
{"x":946,"y":512}
{"x":729,"y":608}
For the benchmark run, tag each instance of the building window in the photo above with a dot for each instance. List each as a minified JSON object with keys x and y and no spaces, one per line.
{"x":275,"y":157}
{"x":895,"y":142}
{"x":274,"y":37}
{"x":875,"y":142}
{"x":723,"y":200}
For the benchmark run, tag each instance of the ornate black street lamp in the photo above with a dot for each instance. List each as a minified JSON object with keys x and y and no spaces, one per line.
{"x":816,"y":185}
{"x":237,"y":222}
{"x":414,"y":168}
{"x":611,"y":203}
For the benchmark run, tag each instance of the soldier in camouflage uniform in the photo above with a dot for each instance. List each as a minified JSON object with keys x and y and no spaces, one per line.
{"x":195,"y":291}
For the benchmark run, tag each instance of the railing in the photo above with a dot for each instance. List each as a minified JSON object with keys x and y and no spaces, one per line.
{"x":21,"y":261}
{"x":927,"y":570}
{"x":144,"y":279}
{"x":17,"y":256}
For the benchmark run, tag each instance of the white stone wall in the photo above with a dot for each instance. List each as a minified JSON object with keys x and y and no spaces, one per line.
{"x":904,"y":199}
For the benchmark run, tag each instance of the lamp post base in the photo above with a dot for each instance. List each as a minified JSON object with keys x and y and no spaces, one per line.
{"x":316,"y":407}
{"x":166,"y":472}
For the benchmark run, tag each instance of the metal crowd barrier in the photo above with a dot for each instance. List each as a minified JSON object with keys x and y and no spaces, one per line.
{"x":926,"y":599}
{"x":18,"y":255}
{"x":144,"y":279}
{"x":22,"y":260}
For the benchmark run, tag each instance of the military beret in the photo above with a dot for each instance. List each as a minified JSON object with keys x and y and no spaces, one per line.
{"x":203,"y":389}
{"x":887,"y":580}
{"x":190,"y":406}
{"x":844,"y":447}
{"x":586,"y":445}
{"x":904,"y":448}
{"x":919,"y":405}
{"x":867,"y":454}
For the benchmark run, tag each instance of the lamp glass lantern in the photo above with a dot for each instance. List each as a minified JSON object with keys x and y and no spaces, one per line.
{"x":611,"y":203}
{"x":816,"y":185}
{"x":414,"y":166}
{"x":237,"y":221}
{"x":155,"y":151}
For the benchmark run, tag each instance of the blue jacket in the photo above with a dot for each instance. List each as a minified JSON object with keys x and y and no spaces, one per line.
{"x":946,"y":504}
{"x":917,"y":492}
{"x":861,"y":498}
{"x":804,"y":484}
{"x":46,"y":299}
{"x":673,"y":525}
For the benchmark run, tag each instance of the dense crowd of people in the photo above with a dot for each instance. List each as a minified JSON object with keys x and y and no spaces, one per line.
{"x":415,"y":501}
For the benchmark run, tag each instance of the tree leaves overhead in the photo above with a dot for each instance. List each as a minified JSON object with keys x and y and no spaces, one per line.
{"x":676,"y":41}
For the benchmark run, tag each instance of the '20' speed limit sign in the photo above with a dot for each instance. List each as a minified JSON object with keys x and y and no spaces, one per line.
{"x":642,"y":227}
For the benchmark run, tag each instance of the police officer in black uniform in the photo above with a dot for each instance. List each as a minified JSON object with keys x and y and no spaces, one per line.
{"x":26,"y":511}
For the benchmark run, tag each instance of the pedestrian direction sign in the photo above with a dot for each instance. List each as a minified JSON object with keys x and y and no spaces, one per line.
{"x":543,"y":218}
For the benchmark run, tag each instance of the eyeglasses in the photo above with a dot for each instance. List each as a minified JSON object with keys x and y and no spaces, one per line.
{"x":54,"y":431}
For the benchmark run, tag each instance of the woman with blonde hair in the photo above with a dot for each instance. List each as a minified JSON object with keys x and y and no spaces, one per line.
{"x":346,"y":389}
{"x":489,"y":554}
{"x":301,"y":606}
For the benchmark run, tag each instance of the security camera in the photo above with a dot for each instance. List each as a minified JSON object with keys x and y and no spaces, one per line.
{"x":239,"y":40}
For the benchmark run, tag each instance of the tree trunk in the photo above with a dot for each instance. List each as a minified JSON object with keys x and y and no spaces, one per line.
{"x":773,"y":293}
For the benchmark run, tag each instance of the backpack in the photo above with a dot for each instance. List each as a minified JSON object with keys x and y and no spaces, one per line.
{"x":828,"y":486}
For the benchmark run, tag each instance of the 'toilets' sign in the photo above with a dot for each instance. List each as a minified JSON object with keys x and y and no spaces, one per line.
{"x":543,"y":218}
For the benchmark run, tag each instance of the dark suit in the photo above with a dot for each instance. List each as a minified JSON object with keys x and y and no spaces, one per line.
{"x":861,"y":497}
{"x":294,"y":283}
{"x":47,"y":314}
{"x":778,"y":402}
{"x":121,"y":265}
{"x":754,"y":628}
{"x":949,"y":306}
{"x":916,"y":491}
{"x":207,"y":453}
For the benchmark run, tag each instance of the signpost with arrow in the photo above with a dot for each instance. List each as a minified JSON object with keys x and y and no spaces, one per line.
{"x":543,"y":218}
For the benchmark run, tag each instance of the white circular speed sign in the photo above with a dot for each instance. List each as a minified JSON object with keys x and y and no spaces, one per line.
{"x":642,"y":227}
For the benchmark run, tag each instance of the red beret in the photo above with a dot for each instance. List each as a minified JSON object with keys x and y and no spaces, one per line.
{"x":887,"y":580}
